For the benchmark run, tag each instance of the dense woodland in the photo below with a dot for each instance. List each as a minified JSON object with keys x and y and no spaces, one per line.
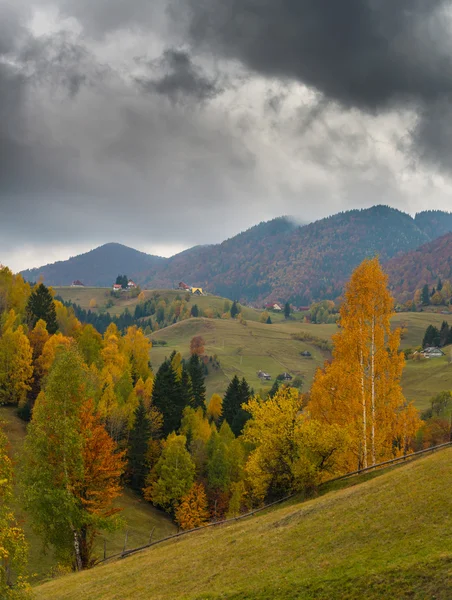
{"x":100,"y":418}
{"x":423,"y":266}
{"x":273,"y":261}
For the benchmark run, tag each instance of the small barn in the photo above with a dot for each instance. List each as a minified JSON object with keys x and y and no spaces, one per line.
{"x":184,"y":286}
{"x":77,"y":283}
{"x":197,"y":291}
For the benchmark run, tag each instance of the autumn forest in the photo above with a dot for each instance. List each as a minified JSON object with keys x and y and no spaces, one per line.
{"x":100,"y":418}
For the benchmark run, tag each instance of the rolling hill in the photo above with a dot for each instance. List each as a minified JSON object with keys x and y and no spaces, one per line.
{"x":273,"y":261}
{"x":99,"y":267}
{"x":389,"y":537}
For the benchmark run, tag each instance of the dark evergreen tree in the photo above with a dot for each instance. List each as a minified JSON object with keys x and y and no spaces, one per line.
{"x":269,"y":321}
{"x":237,"y":393}
{"x":167,"y":397}
{"x":196,"y":371}
{"x":287,"y":310}
{"x":242,"y":416}
{"x":234,"y":310}
{"x":194,"y":310}
{"x":439,"y":287}
{"x":122,"y":280}
{"x":444,"y":333}
{"x":41,"y":306}
{"x":431,"y":337}
{"x":138,"y":447}
{"x":433,"y":292}
{"x":186,"y":388}
{"x":231,"y":401}
{"x":425,"y":296}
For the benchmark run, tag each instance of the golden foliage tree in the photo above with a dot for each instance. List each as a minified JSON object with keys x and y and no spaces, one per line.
{"x":13,"y":547}
{"x":138,"y":347}
{"x":16,"y":369}
{"x":193,"y":511}
{"x":291,"y":451}
{"x":360,"y":389}
{"x":215,"y":408}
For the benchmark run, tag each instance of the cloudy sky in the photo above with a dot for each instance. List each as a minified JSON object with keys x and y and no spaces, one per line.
{"x":162,"y":124}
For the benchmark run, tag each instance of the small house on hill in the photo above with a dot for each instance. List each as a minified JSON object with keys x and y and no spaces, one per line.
{"x":117,"y":287}
{"x":264,"y":376}
{"x":77,"y":283}
{"x":131,"y":285}
{"x":432,"y":352}
{"x":197,"y":291}
{"x":285,"y":377}
{"x":184,"y":286}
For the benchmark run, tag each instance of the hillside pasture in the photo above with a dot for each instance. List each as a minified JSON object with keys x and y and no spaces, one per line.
{"x":242,"y":350}
{"x":390,"y":537}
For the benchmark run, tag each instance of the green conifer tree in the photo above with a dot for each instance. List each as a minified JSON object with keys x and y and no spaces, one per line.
{"x":425,"y":295}
{"x":186,"y":387}
{"x":287,"y":310}
{"x":196,"y":372}
{"x":431,"y":337}
{"x":41,"y":306}
{"x":167,"y":397}
{"x":138,"y":447}
{"x":234,"y":310}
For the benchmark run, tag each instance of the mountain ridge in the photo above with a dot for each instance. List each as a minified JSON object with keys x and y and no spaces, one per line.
{"x":276,"y":260}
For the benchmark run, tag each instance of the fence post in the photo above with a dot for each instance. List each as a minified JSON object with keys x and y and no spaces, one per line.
{"x":125,"y":541}
{"x":150,"y":537}
{"x":105,"y":548}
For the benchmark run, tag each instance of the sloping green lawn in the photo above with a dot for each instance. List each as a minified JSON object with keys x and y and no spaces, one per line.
{"x":388,"y":538}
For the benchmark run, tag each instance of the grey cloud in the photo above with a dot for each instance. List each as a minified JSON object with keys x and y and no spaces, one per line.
{"x":374,"y":55}
{"x":179,"y":78}
{"x":364,"y":53}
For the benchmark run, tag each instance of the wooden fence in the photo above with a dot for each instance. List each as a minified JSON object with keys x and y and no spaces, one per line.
{"x":386,"y":463}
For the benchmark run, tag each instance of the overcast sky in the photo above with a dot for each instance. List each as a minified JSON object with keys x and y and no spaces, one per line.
{"x":162,"y":124}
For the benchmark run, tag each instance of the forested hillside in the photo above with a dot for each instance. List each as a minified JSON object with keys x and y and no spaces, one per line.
{"x":425,"y":265}
{"x":273,"y":261}
{"x":99,"y":267}
{"x":278,"y":261}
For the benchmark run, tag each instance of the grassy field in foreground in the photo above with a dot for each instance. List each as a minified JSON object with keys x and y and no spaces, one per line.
{"x":388,"y":538}
{"x":139,"y":517}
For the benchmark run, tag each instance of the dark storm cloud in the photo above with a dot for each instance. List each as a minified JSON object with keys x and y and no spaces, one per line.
{"x":373,"y":55}
{"x":364,"y":53}
{"x":179,"y":78}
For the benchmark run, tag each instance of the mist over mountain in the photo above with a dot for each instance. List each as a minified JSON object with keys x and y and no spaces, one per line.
{"x":276,"y":260}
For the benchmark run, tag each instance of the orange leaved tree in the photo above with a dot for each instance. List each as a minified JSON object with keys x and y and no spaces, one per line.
{"x":193,"y":509}
{"x":360,"y":389}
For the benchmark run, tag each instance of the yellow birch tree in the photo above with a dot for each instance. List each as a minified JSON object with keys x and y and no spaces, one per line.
{"x":360,"y":389}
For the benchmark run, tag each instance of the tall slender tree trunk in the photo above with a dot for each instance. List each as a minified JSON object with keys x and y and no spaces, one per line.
{"x":373,"y":409}
{"x":363,"y":399}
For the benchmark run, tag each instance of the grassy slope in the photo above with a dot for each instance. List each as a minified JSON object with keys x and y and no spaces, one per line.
{"x":139,"y":517}
{"x":83,"y":296}
{"x":390,"y":537}
{"x":241,"y":349}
